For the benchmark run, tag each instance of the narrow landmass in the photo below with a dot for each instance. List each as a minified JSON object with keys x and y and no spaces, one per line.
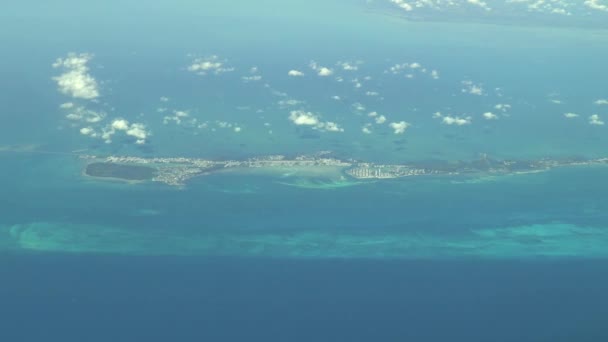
{"x":176,"y":171}
{"x":120,"y":171}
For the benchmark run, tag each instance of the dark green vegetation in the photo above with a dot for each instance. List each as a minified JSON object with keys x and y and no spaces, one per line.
{"x":126,"y":172}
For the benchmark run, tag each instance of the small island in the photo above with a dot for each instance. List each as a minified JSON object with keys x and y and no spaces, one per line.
{"x":176,"y":171}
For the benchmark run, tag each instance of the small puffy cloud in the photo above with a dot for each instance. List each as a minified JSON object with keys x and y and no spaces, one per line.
{"x":601,"y":102}
{"x":372,"y":93}
{"x":358,"y":107}
{"x":252,"y":78}
{"x":120,"y":124}
{"x":164,"y":99}
{"x":295,"y":73}
{"x":409,"y":70}
{"x":177,"y":117}
{"x":403,"y":5}
{"x":455,"y":120}
{"x":66,"y":105}
{"x":330,"y":126}
{"x":366,"y":129}
{"x":289,"y":103}
{"x":300,"y":117}
{"x":135,"y":130}
{"x":76,"y":80}
{"x":349,"y":66}
{"x":437,"y":115}
{"x":380,"y":119}
{"x":303,"y":118}
{"x":336,"y":97}
{"x":479,"y":3}
{"x":399,"y":127}
{"x":490,"y":116}
{"x":570,"y":115}
{"x":471,"y":88}
{"x":81,"y":114}
{"x":237,"y":129}
{"x":503,"y":107}
{"x":138,"y":131}
{"x":596,"y":5}
{"x":88,"y":131}
{"x":323,"y":71}
{"x":209,"y":65}
{"x":595,"y":120}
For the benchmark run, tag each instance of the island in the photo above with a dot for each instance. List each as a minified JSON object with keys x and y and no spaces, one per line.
{"x":176,"y":171}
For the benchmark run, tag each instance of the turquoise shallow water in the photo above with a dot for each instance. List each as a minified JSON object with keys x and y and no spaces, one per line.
{"x":559,"y":213}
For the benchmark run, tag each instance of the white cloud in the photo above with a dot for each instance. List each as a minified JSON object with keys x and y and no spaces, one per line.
{"x":76,"y":80}
{"x":295,"y":73}
{"x":366,"y":129}
{"x":303,"y":118}
{"x":435,"y":74}
{"x":399,"y":127}
{"x":336,"y":97}
{"x":479,"y":3}
{"x":289,"y":102}
{"x":120,"y":124}
{"x":595,"y":120}
{"x":88,"y":131}
{"x":135,"y":130}
{"x":330,"y":126}
{"x":601,"y":102}
{"x":472,"y":88}
{"x":164,"y":99}
{"x":570,"y":115}
{"x":596,"y":5}
{"x":349,"y":66}
{"x":437,"y":115}
{"x":82,"y":114}
{"x":138,"y":131}
{"x":253,"y":78}
{"x":66,"y":105}
{"x":358,"y":107}
{"x":490,"y":116}
{"x":403,"y":5}
{"x":380,"y":119}
{"x":300,"y":117}
{"x":209,"y":65}
{"x":372,"y":93}
{"x":455,"y":120}
{"x":237,"y":129}
{"x":503,"y":107}
{"x":177,"y":117}
{"x":323,"y":71}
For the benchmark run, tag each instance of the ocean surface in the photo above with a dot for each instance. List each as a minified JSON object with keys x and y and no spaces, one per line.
{"x":279,"y":256}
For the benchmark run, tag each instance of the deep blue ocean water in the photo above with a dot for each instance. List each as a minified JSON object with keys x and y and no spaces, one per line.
{"x":97,"y":298}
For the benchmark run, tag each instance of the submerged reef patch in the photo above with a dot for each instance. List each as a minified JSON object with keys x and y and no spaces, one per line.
{"x":555,"y":240}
